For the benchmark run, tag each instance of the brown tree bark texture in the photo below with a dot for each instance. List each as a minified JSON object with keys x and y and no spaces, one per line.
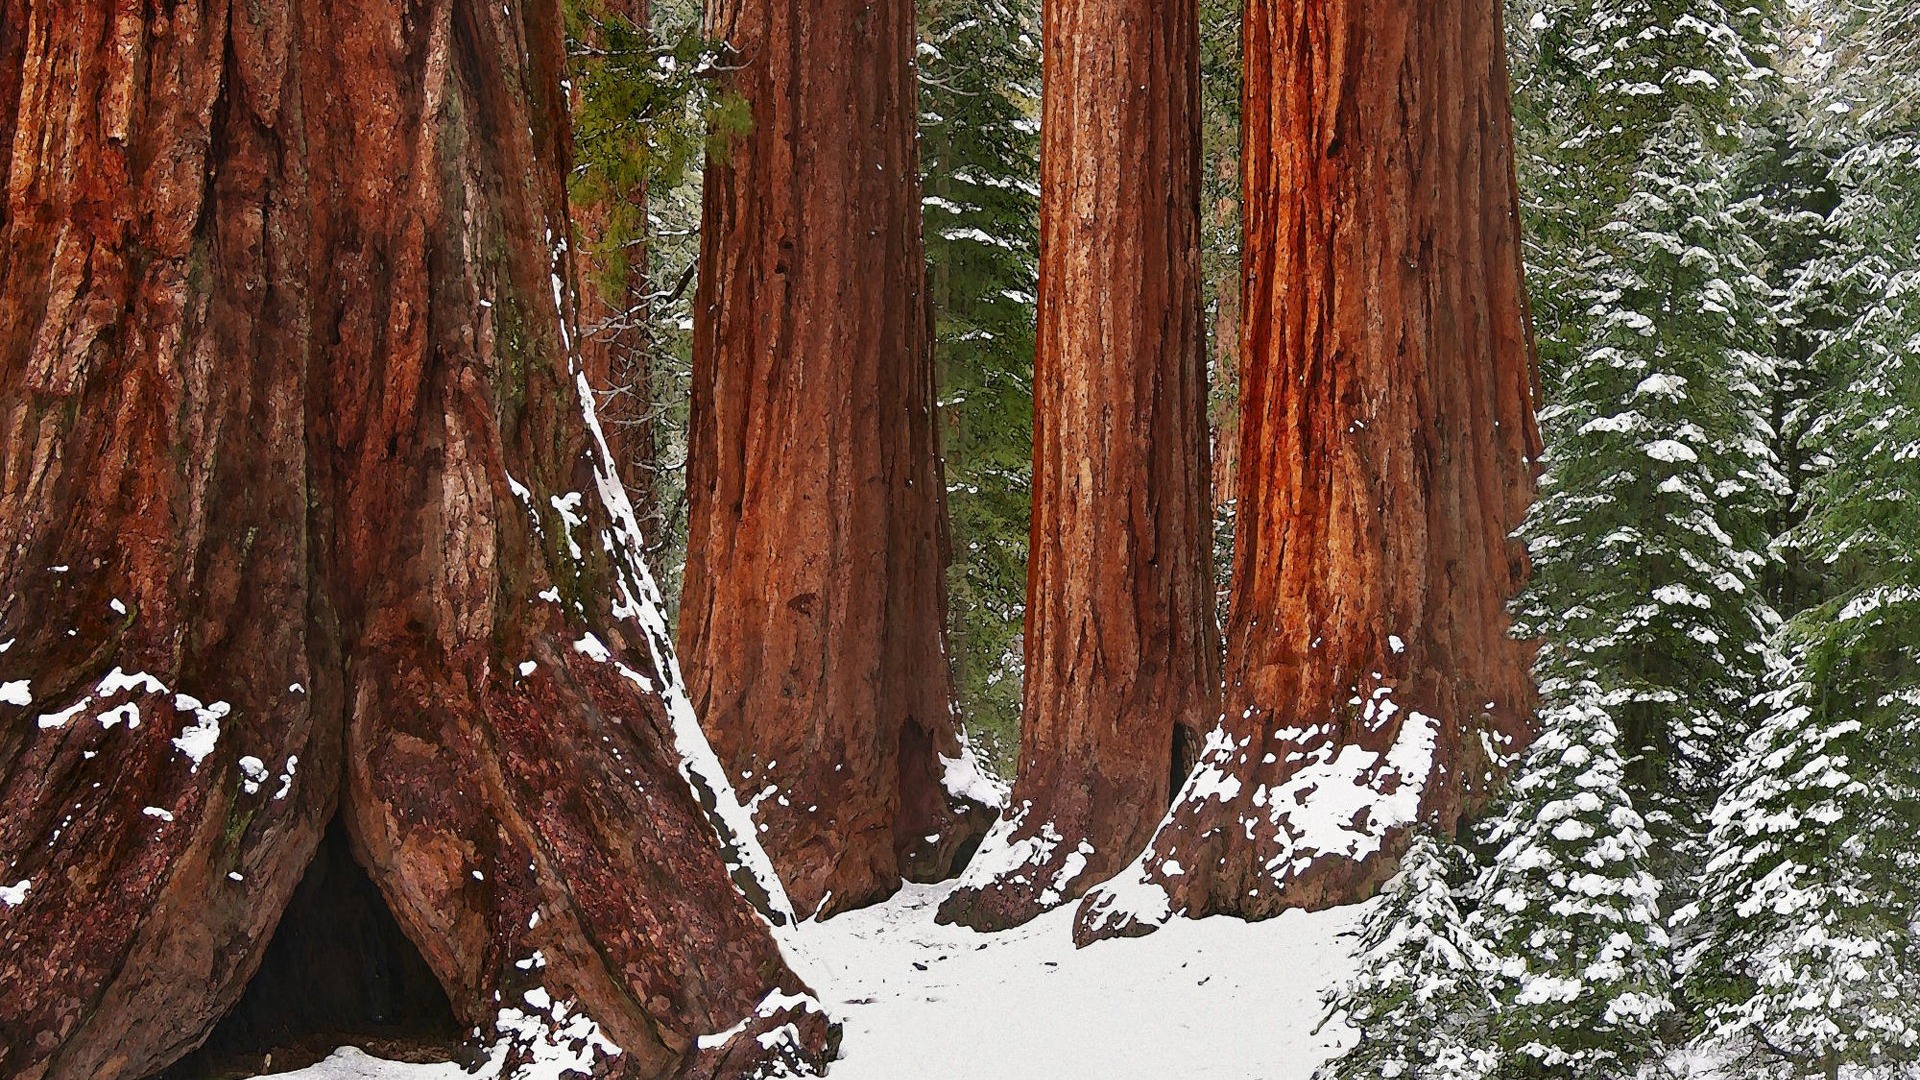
{"x":813,"y":611}
{"x":301,"y":509}
{"x":1122,"y":648}
{"x":1387,"y":450}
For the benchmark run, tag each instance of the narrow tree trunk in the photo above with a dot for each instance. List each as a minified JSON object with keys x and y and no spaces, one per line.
{"x":303,"y":512}
{"x":1121,"y":642}
{"x":1386,"y":453}
{"x":1225,"y":412}
{"x":814,"y":604}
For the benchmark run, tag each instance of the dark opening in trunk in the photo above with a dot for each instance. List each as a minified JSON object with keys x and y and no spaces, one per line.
{"x":338,"y":971}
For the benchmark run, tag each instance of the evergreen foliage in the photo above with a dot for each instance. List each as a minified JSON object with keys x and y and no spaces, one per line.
{"x":980,"y":86}
{"x":1804,"y":959}
{"x":640,"y":119}
{"x":1569,"y":908}
{"x":1220,"y":228}
{"x":1649,"y":536}
{"x":1417,"y":998}
{"x":643,"y":116}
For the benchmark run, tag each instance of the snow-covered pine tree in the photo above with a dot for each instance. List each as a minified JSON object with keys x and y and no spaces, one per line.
{"x":1805,"y":960}
{"x":1786,"y":193}
{"x":1569,"y":909}
{"x":979,"y":64}
{"x":1650,"y":531}
{"x":1418,"y":997}
{"x":1802,"y":962}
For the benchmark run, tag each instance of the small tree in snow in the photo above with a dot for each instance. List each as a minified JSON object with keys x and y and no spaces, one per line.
{"x":1418,"y":998}
{"x":1570,"y":910}
{"x":1803,"y":961}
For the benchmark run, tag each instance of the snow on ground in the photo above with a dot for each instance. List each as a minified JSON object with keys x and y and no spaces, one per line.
{"x":1215,"y":998}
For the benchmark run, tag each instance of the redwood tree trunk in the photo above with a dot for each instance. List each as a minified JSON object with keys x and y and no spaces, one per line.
{"x":813,"y":611}
{"x":1122,"y":650}
{"x":302,"y":512}
{"x":1387,"y":442}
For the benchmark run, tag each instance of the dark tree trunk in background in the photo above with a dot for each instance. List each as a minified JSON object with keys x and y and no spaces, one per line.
{"x":301,"y":514}
{"x":1122,"y":650}
{"x":1386,"y":451}
{"x":813,"y":612}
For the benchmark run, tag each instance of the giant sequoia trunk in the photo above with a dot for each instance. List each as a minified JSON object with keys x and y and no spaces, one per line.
{"x":1386,"y":450}
{"x":1122,"y":651}
{"x":303,"y":514}
{"x":813,"y":611}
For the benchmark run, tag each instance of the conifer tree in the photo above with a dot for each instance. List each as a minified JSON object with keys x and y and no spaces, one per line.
{"x":1804,"y":960}
{"x":1650,"y":534}
{"x":1418,"y":996}
{"x":1570,"y":909}
{"x":979,"y":69}
{"x":1803,"y":957}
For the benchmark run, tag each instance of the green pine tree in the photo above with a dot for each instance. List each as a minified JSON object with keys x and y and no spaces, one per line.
{"x":643,"y":116}
{"x":980,"y":85}
{"x":1650,"y":534}
{"x":1418,"y":996}
{"x":1804,"y":956}
{"x":1570,"y":909}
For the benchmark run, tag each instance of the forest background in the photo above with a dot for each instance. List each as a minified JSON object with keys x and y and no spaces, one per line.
{"x":1722,"y":210}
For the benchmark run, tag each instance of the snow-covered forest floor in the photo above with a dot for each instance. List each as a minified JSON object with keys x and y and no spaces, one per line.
{"x":1216,"y":998}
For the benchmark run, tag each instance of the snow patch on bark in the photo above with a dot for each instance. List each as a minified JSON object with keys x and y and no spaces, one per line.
{"x":592,"y":648}
{"x":1346,"y":799}
{"x":639,"y":602}
{"x":118,"y":681}
{"x":965,"y":781}
{"x":60,"y":719}
{"x":196,"y":741}
{"x":775,"y":1003}
{"x":552,"y":1039}
{"x":16,"y":894}
{"x":253,"y":774}
{"x":17,"y":693}
{"x":199,"y":738}
{"x":1133,"y":897}
{"x":1341,"y":801}
{"x":1003,"y":859}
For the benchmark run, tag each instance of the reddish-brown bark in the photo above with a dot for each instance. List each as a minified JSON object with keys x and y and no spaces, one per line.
{"x":287,"y":424}
{"x":1386,"y":452}
{"x":812,"y":617}
{"x":1122,"y":650}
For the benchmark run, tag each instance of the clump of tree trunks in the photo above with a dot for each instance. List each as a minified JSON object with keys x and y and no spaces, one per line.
{"x":303,"y":514}
{"x":1386,"y":453}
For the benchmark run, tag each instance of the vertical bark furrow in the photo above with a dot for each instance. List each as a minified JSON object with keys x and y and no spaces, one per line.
{"x":1387,"y":442}
{"x":1121,"y":642}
